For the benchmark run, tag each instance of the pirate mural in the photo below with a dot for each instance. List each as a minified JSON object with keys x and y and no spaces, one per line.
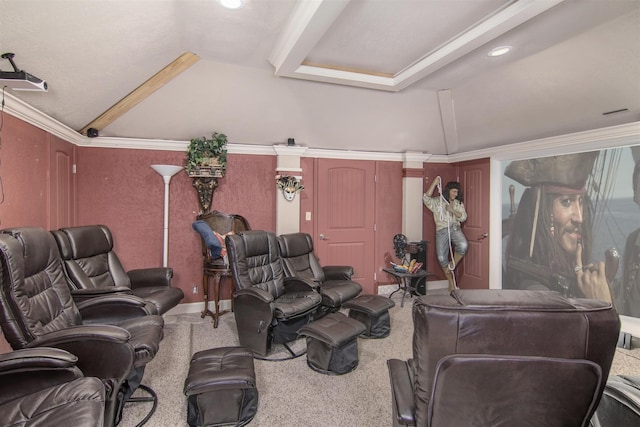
{"x":550,"y":239}
{"x":628,"y":291}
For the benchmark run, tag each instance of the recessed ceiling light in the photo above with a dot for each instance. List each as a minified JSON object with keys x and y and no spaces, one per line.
{"x":232,"y":4}
{"x":499,"y":51}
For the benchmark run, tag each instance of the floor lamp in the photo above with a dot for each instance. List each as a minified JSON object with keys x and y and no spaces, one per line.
{"x":167,"y":171}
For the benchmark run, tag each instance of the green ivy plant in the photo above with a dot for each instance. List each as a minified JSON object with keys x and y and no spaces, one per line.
{"x":201,"y":149}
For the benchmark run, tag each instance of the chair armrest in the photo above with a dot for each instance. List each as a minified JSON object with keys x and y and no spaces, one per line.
{"x":103,"y":351}
{"x":30,"y":359}
{"x":299,"y":283}
{"x":109,"y":308}
{"x":157,"y":276}
{"x":338,"y":272}
{"x":80,"y":295}
{"x":257,"y":293}
{"x":402,"y":398}
{"x":26,"y":371}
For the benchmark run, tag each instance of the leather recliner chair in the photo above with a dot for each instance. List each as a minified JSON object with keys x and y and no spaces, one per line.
{"x":269,"y":308}
{"x":335,"y":284}
{"x":43,"y":386}
{"x":113,"y":336}
{"x":504,"y":358}
{"x":93,"y":268}
{"x":620,"y":403}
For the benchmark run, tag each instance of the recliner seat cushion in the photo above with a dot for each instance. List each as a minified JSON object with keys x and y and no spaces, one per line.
{"x":77,"y":403}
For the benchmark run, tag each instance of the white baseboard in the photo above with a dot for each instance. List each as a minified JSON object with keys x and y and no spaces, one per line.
{"x":435,"y":284}
{"x":197,"y":307}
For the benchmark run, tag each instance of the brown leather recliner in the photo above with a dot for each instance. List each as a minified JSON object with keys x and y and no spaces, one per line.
{"x":113,"y":336}
{"x":335,"y":284}
{"x":43,"y":386}
{"x":504,"y":358}
{"x":269,"y":307}
{"x":93,"y":268}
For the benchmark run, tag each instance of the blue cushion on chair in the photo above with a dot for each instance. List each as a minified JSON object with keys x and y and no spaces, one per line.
{"x":209,"y":237}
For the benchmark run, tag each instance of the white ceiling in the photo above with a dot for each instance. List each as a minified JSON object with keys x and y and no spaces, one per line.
{"x":372,"y":75}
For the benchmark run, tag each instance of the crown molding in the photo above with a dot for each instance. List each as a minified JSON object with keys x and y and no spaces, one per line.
{"x":590,"y":140}
{"x":595,"y":139}
{"x":20,"y":109}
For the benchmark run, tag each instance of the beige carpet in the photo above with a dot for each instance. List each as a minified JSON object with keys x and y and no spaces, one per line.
{"x":290,"y":393}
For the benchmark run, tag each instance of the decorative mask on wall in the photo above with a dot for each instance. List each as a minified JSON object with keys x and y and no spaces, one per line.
{"x":289,"y":186}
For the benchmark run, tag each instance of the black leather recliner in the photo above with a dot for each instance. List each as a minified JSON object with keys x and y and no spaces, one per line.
{"x":335,"y":284}
{"x":504,"y":358}
{"x":269,"y":307}
{"x":113,"y":336}
{"x":43,"y":386}
{"x":93,"y":268}
{"x":620,"y":404}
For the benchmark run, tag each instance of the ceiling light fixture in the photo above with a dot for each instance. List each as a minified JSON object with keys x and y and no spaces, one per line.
{"x":232,"y":4}
{"x":499,"y":51}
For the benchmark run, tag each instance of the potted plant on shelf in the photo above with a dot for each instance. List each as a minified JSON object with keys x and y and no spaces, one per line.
{"x":207,"y":156}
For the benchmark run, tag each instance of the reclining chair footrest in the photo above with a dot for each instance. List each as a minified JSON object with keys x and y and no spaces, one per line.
{"x":221,"y":387}
{"x":332,"y":343}
{"x":373,"y":312}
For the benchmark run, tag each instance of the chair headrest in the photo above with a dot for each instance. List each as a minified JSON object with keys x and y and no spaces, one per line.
{"x":86,"y":241}
{"x":36,"y":254}
{"x":295,"y":244}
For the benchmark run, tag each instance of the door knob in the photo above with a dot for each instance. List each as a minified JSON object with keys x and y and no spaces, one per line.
{"x":322,"y":237}
{"x":483,"y":236}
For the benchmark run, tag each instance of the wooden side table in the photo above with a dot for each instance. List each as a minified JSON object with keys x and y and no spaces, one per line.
{"x":216,"y":273}
{"x":404,"y":281}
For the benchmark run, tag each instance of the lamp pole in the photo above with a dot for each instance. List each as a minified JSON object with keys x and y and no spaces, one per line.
{"x":166,"y":171}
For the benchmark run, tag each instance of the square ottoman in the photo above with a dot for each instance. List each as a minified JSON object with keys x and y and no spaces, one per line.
{"x":221,"y":387}
{"x":373,"y":312}
{"x":332,"y":343}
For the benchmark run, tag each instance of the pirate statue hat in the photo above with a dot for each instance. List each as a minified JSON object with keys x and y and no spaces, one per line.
{"x":557,"y":174}
{"x":569,"y":170}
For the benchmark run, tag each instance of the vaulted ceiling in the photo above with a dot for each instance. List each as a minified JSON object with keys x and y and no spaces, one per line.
{"x":370,"y":75}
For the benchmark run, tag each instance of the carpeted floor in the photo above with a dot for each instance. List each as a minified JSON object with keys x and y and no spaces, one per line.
{"x":290,"y":393}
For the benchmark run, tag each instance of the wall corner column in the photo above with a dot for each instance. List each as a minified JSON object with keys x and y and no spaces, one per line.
{"x":288,"y":212}
{"x":412,"y":190}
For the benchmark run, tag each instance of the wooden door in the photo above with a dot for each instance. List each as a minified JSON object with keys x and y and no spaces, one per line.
{"x":61,"y":184}
{"x":344,"y":232}
{"x":474,"y":179}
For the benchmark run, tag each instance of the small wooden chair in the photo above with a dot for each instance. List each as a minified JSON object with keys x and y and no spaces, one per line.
{"x":217,"y":267}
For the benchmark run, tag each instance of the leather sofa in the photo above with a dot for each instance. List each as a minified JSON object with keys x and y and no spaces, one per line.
{"x":620,"y":403}
{"x":504,"y":358}
{"x":268,"y":307}
{"x":335,"y":284}
{"x":93,"y":268}
{"x":43,"y":386}
{"x":113,"y":336}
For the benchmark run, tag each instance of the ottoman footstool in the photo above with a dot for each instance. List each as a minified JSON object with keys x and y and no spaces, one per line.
{"x":332,"y":343}
{"x":221,"y":387}
{"x":373,"y":312}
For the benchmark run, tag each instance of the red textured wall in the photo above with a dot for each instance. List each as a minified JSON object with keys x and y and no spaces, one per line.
{"x":24,"y":168}
{"x":118,"y":188}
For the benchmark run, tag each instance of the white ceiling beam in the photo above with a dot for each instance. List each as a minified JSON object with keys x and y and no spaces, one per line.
{"x":307,"y":24}
{"x":310,"y":20}
{"x":448,"y":118}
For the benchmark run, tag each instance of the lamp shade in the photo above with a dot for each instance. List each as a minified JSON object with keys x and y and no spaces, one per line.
{"x":167,"y":170}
